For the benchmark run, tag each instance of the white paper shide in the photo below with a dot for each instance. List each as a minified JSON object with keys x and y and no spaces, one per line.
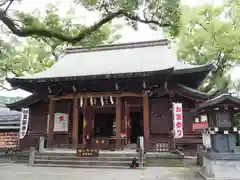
{"x":24,"y":123}
{"x":177,"y":120}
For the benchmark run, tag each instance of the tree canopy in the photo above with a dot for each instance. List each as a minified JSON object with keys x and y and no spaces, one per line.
{"x":39,"y":37}
{"x":22,"y":56}
{"x":156,"y":13}
{"x":211,"y":34}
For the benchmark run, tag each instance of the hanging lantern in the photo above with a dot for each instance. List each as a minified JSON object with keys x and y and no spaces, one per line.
{"x":81,"y":101}
{"x":102,"y":101}
{"x":111,"y":99}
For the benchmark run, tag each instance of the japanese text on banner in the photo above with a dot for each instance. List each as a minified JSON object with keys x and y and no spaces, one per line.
{"x":24,"y":123}
{"x":177,"y":120}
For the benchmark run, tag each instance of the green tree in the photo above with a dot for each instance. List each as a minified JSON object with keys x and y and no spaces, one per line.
{"x":210,"y":33}
{"x":156,"y":13}
{"x":32,"y":54}
{"x":46,"y":35}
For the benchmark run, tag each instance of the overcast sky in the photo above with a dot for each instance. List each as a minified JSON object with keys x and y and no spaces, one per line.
{"x":128,"y":35}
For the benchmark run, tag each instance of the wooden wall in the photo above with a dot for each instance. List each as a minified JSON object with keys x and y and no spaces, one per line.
{"x":63,"y":139}
{"x":161,"y":120}
{"x":37,"y":125}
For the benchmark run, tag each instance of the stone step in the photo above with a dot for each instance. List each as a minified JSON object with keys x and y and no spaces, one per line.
{"x":106,"y":154}
{"x":164,"y":159}
{"x":131,"y":146}
{"x":82,"y":166}
{"x":45,"y":157}
{"x":70,"y":159}
{"x":77,"y":162}
{"x":4,"y":159}
{"x":163,"y":155}
{"x":165,"y":162}
{"x":20,"y":158}
{"x":21,"y":161}
{"x":161,"y":164}
{"x":164,"y":165}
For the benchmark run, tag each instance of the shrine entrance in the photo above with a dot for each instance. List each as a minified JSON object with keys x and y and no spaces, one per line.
{"x":104,"y":125}
{"x":80,"y":128}
{"x":136,"y":126}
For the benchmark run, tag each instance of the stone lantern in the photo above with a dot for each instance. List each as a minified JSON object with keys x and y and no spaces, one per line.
{"x":219,"y":138}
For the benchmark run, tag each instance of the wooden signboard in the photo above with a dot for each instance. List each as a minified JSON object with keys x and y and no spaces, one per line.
{"x":82,"y":152}
{"x":8,"y":139}
{"x":199,"y":126}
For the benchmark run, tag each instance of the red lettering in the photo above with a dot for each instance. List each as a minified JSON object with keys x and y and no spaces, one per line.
{"x":178,"y":117}
{"x":178,"y":109}
{"x":179,"y":125}
{"x":179,"y":133}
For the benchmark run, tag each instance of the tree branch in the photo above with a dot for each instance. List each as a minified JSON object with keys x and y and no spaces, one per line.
{"x":145,"y":21}
{"x":200,"y":24}
{"x":43,"y":32}
{"x":3,"y":3}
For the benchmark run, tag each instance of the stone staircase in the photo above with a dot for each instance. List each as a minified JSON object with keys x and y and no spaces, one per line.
{"x":121,"y":159}
{"x":164,"y":159}
{"x":53,"y":159}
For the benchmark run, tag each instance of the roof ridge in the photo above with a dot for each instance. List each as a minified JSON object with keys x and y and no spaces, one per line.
{"x":140,"y":44}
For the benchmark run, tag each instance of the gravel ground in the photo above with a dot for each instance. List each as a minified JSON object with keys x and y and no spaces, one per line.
{"x":22,"y":172}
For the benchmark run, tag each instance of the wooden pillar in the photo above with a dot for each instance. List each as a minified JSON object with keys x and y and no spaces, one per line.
{"x":118,"y":122}
{"x":75,"y":123}
{"x":146,"y":120}
{"x":51,"y":122}
{"x":126,"y":121}
{"x":84,"y":122}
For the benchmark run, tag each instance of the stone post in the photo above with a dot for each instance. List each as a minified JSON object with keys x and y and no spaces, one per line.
{"x":140,"y":157}
{"x":141,"y":151}
{"x":32,"y":152}
{"x":41,"y":144}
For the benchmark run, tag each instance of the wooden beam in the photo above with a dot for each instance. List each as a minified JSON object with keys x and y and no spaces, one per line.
{"x":75,"y":123}
{"x":94,"y":94}
{"x":51,"y":122}
{"x":146,"y":120}
{"x":118,"y":122}
{"x":135,"y":105}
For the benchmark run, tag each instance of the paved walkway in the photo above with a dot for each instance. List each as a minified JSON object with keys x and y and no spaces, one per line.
{"x":23,"y":172}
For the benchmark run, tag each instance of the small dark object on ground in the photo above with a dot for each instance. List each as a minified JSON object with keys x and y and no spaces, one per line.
{"x":134,"y":163}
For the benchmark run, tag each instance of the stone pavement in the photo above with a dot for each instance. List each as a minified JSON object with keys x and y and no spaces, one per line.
{"x":22,"y":172}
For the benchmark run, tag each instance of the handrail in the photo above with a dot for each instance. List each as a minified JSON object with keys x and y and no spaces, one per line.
{"x":179,"y":152}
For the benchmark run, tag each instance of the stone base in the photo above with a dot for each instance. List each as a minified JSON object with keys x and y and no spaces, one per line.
{"x":220,"y":166}
{"x":200,"y":174}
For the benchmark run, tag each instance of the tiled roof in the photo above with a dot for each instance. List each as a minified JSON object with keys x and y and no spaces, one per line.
{"x":150,"y":56}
